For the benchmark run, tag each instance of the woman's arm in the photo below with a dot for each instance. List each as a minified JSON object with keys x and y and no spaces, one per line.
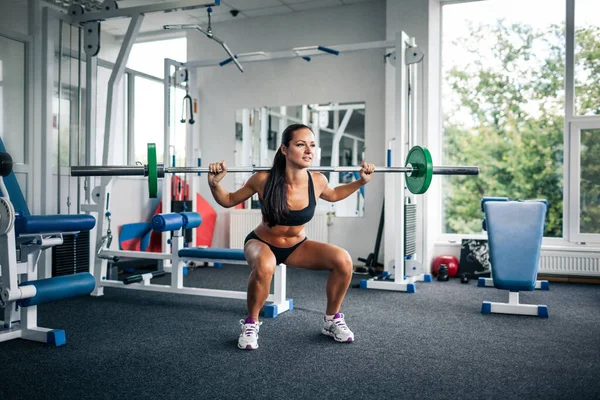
{"x":341,"y":192}
{"x":230,"y":199}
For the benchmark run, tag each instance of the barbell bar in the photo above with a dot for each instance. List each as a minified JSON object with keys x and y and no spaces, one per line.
{"x":418,"y":170}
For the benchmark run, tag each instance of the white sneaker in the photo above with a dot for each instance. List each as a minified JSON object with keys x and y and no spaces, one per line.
{"x":249,"y":337}
{"x":337,"y":329}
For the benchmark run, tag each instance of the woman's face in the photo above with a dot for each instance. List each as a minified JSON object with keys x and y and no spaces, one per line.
{"x":301,"y":150}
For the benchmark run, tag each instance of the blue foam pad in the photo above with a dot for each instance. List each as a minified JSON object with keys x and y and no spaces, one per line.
{"x":167,"y":222}
{"x":291,"y":301}
{"x":427,"y":278}
{"x":486,"y":307}
{"x":411,"y":288}
{"x":191,"y":219}
{"x":515,"y":232}
{"x":363,"y":284}
{"x":53,"y":223}
{"x":213,"y":253}
{"x":481,"y":282}
{"x":56,"y":337}
{"x":545,"y":285}
{"x":270,"y":311}
{"x":543,"y":311}
{"x":59,"y":288}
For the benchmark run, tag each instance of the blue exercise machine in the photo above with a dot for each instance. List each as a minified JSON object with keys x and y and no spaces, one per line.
{"x":23,"y":238}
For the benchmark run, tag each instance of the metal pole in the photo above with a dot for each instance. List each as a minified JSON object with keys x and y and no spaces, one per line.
{"x":58,"y":117}
{"x":143,"y":170}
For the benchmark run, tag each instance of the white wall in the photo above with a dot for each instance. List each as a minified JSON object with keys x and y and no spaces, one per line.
{"x":14,"y":16}
{"x":348,"y":77}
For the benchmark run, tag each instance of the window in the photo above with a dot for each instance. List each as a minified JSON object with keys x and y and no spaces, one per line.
{"x":13,"y":97}
{"x":585,"y":176}
{"x":118,"y":151}
{"x":587,"y":53}
{"x":149,"y":116}
{"x":148,"y":97}
{"x":148,"y":57}
{"x":503,"y":65}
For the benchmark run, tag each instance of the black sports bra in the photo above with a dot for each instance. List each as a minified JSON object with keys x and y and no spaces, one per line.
{"x":301,"y":217}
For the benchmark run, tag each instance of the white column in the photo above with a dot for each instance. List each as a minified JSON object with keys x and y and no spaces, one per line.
{"x":283,"y":123}
{"x":264,"y":136}
{"x":335,"y":147}
{"x":317,"y":131}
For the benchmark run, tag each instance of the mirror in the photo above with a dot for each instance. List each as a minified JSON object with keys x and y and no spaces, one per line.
{"x":339,"y":130}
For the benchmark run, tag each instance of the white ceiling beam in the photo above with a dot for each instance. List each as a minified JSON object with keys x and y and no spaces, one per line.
{"x":150,"y":8}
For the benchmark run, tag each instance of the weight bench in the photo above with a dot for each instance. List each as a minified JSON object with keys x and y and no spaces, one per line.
{"x":181,"y":255}
{"x":515,"y":232}
{"x":489,"y":282}
{"x":23,"y":237}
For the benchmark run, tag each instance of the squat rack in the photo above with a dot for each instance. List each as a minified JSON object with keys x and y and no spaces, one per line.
{"x":404,"y":54}
{"x":405,"y":50}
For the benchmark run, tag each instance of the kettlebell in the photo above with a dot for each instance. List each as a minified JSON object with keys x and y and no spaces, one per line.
{"x":464,"y":278}
{"x":443,"y":273}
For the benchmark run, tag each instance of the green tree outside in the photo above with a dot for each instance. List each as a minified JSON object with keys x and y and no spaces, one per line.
{"x":507,"y":117}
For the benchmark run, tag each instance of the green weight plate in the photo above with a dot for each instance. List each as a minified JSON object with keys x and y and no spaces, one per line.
{"x":152,"y":171}
{"x":420,"y":158}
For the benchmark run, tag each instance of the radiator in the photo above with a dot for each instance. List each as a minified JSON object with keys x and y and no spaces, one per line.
{"x":569,"y":263}
{"x":242,"y":222}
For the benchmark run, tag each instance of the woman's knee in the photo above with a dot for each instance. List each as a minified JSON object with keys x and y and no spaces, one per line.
{"x":263,"y":265}
{"x":342,"y":262}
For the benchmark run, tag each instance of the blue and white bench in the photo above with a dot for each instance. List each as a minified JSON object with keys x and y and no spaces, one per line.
{"x":489,"y":282}
{"x":23,"y":237}
{"x":515,"y":232}
{"x":179,"y":258}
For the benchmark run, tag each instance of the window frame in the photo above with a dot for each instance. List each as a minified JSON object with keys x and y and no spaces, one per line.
{"x":571,"y":191}
{"x":26,"y":167}
{"x":576,"y":126}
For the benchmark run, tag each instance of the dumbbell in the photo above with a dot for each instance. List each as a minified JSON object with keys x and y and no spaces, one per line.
{"x":464,"y":278}
{"x":443,"y":273}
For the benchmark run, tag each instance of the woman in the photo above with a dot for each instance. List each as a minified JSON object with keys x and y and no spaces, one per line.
{"x":288,"y":194}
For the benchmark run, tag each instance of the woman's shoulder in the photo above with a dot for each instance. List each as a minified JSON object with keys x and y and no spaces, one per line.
{"x":258,"y":178}
{"x":317,"y":175}
{"x":318,"y":178}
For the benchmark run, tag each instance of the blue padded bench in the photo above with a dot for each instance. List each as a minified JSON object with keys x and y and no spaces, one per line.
{"x":236,"y":256}
{"x":34,"y":224}
{"x":213,"y":254}
{"x":186,"y":220}
{"x":515,"y":232}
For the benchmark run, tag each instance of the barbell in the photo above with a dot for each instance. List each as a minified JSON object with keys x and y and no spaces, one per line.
{"x":418,"y":169}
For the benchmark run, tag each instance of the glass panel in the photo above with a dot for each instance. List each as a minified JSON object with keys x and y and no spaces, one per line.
{"x":179,"y":112}
{"x":149,"y":57}
{"x":589,"y":202}
{"x":328,"y":118}
{"x":13,"y":98}
{"x":587,"y":52}
{"x":149,"y":118}
{"x":118,"y":154}
{"x":503,"y":106}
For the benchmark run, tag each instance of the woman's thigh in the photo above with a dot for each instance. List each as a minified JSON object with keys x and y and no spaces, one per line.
{"x":317,"y":255}
{"x":259,"y":255}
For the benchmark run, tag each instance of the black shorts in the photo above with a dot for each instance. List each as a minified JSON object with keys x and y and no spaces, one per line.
{"x":281,"y":253}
